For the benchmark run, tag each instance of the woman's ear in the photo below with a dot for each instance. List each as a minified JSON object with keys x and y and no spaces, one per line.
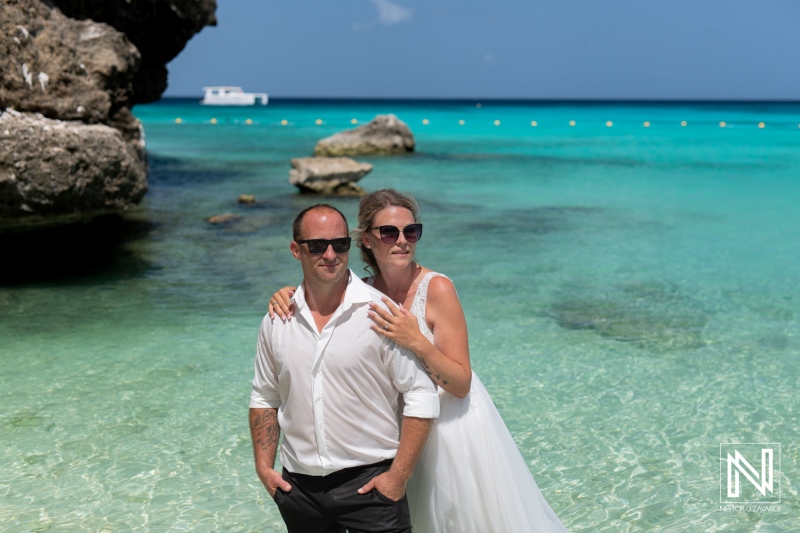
{"x":365,"y":241}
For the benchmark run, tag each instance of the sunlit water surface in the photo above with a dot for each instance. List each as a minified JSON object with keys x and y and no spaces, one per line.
{"x":632,"y":296}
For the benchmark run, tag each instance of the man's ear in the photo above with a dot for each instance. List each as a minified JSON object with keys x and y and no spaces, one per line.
{"x":295,"y":248}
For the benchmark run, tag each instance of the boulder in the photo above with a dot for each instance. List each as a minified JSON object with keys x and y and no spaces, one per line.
{"x":64,"y":170}
{"x":385,"y":134}
{"x":159,"y":29}
{"x":75,"y":60}
{"x":328,"y":175}
{"x":65,"y":69}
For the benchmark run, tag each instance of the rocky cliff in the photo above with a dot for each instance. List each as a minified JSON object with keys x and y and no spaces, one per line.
{"x":70,"y":71}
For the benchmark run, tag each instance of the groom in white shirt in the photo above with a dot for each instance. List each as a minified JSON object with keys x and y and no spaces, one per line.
{"x":333,"y":387}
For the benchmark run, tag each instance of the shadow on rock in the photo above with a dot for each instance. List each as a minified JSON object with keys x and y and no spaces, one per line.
{"x":56,"y":254}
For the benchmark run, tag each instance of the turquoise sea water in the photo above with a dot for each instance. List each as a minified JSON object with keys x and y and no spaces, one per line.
{"x":631,"y":292}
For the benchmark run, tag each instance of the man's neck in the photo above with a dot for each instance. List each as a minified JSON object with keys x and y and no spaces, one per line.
{"x":323,"y":300}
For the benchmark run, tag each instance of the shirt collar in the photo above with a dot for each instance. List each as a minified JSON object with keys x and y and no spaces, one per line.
{"x":357,"y":292}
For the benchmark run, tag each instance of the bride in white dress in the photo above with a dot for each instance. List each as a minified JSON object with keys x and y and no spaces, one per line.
{"x":470,"y":477}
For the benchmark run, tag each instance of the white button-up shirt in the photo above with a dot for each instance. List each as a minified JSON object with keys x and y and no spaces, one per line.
{"x":338,"y":390}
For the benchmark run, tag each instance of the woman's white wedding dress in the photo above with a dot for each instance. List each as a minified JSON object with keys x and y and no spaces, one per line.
{"x":471,"y":477}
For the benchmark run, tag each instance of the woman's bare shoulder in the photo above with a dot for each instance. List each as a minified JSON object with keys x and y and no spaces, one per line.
{"x":441,"y":288}
{"x":443,"y":306}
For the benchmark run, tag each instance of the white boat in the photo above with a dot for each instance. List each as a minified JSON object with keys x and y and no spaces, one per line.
{"x":231,"y":96}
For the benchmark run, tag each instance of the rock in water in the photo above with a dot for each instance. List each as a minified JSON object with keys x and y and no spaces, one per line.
{"x":328,"y":175}
{"x":224,"y":218}
{"x":91,"y":70}
{"x":385,"y":134}
{"x":64,"y":170}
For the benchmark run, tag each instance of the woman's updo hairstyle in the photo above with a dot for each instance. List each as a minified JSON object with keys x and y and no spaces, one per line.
{"x":370,"y":206}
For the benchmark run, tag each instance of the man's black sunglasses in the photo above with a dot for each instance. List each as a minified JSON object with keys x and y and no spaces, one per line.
{"x":318,"y":246}
{"x":390,"y":234}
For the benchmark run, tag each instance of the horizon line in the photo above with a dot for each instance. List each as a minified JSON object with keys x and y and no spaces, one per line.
{"x":504,"y":99}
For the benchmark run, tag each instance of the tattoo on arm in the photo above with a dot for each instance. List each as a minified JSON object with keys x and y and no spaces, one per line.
{"x":428,"y":368}
{"x":266,"y":429}
{"x":430,"y":372}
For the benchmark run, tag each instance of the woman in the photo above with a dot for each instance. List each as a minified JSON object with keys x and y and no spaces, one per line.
{"x":470,"y":478}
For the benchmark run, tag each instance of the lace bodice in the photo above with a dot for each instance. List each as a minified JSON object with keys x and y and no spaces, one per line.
{"x":418,"y":303}
{"x":418,"y":310}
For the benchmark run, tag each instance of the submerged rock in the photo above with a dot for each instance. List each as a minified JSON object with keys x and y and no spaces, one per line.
{"x":328,"y":175}
{"x":247,"y":199}
{"x":66,"y":170}
{"x":385,"y":134}
{"x":223,"y":218}
{"x":652,"y":315}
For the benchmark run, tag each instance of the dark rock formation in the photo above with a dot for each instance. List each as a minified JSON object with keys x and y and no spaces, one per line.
{"x":328,"y":175}
{"x":89,"y":72}
{"x":64,"y":169}
{"x":158,"y":28}
{"x":385,"y":134}
{"x":62,"y":68}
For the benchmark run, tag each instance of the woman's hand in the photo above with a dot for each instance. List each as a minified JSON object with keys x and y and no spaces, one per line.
{"x":281,"y":304}
{"x":397,"y":323}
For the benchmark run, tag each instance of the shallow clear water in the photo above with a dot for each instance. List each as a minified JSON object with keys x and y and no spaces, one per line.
{"x":632,"y":297}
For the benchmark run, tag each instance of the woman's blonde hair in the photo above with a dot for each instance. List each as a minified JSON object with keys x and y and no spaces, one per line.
{"x":370,"y":205}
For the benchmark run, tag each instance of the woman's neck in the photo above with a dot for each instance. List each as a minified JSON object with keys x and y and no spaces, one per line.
{"x":398,"y":282}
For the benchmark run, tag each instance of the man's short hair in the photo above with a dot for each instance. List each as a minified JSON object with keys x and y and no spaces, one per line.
{"x":299,"y":219}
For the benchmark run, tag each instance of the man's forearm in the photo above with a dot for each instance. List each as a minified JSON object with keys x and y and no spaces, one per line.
{"x":413,"y":435}
{"x":265,"y":432}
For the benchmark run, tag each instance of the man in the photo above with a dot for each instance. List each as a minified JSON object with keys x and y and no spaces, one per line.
{"x":333,"y":386}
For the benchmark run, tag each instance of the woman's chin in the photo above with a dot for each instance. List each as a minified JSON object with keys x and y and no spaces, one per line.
{"x":400,"y":261}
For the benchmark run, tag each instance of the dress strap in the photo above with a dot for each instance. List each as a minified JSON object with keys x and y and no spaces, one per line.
{"x":422,"y":288}
{"x":420,"y":301}
{"x":370,"y":281}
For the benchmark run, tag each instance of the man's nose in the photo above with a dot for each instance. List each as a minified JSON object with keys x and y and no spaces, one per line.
{"x":329,"y":253}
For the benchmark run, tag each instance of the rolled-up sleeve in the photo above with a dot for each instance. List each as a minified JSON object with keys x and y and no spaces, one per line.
{"x":419,"y":392}
{"x":265,"y":392}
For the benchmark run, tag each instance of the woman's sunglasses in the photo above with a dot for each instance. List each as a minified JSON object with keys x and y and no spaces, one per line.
{"x":390,"y":234}
{"x":318,"y":246}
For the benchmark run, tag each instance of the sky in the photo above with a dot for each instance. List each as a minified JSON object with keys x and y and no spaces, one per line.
{"x":521,"y":49}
